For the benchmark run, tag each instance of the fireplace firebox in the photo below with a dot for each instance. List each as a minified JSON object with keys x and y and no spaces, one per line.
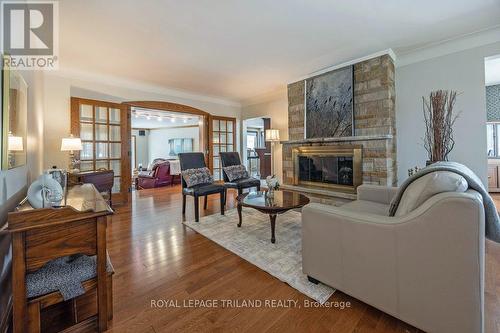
{"x":334,"y":166}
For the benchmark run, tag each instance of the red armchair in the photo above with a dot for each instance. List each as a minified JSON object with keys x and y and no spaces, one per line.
{"x":157,"y":177}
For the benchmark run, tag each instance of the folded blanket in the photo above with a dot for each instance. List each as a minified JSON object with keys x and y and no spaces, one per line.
{"x":492,"y":223}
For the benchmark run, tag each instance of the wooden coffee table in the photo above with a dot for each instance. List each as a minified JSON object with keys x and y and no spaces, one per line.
{"x":281,"y":202}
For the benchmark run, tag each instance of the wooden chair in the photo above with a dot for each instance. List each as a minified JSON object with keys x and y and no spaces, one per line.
{"x":41,"y":235}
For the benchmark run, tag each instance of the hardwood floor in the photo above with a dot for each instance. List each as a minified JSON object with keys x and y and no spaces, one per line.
{"x":157,"y":258}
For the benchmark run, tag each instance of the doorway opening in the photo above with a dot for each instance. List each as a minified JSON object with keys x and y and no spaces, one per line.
{"x":257,"y":152}
{"x":158,"y":137}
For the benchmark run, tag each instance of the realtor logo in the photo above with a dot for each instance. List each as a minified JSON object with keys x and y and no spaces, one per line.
{"x":30,"y":34}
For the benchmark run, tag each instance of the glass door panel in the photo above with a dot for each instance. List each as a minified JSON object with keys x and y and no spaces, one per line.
{"x":103,"y":127}
{"x":115,"y":150}
{"x":100,"y":165}
{"x":222,"y":140}
{"x":87,"y":152}
{"x":101,"y":115}
{"x":86,"y":131}
{"x":114,"y":133}
{"x":101,"y":150}
{"x":86,"y":165}
{"x":114,"y":116}
{"x":116,"y":167}
{"x":101,"y":132}
{"x":86,"y":113}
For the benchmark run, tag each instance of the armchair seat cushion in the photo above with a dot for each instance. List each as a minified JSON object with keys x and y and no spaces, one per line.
{"x":367,"y":207}
{"x":203,"y":189}
{"x":243,"y":183}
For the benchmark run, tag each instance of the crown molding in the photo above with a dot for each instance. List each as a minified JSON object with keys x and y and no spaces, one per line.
{"x":389,"y":52}
{"x":121,"y":82}
{"x":449,"y":46}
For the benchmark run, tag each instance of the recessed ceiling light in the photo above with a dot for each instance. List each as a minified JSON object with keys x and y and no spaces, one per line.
{"x":185,"y":120}
{"x":172,"y":120}
{"x":160,"y":119}
{"x":148,"y":118}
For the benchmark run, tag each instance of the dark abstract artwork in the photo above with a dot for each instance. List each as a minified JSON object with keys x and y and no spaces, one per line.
{"x":329,"y":104}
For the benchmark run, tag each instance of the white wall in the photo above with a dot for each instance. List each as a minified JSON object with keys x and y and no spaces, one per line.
{"x":461,"y":71}
{"x":274,"y":106}
{"x":158,"y":140}
{"x":142,"y":148}
{"x":59,"y":88}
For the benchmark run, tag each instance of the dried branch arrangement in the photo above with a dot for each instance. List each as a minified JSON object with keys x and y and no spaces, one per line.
{"x":439,"y":120}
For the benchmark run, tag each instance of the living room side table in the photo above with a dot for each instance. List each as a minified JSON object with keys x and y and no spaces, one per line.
{"x":279,"y":203}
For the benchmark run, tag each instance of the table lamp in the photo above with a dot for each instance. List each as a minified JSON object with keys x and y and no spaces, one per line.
{"x":72,"y":144}
{"x":273,"y":136}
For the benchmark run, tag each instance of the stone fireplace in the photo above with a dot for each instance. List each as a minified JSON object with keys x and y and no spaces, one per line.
{"x":336,"y":167}
{"x":374,"y":137}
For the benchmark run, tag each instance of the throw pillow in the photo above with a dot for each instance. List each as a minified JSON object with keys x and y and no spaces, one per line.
{"x":426,"y":186}
{"x":197,"y":176}
{"x":235,"y":172}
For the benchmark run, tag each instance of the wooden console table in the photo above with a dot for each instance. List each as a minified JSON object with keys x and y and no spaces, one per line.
{"x":41,"y":235}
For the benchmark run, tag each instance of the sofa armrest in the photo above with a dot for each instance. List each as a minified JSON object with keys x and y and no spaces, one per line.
{"x":377,"y":193}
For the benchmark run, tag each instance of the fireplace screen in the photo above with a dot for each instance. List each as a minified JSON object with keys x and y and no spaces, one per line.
{"x":326,"y":169}
{"x":332,"y":166}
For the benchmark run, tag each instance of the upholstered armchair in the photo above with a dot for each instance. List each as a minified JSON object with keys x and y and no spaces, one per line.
{"x":157,"y":177}
{"x":197,"y":161}
{"x":233,"y":158}
{"x":425,"y":267}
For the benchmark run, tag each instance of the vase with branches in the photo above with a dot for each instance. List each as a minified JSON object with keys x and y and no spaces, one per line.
{"x":439,"y":118}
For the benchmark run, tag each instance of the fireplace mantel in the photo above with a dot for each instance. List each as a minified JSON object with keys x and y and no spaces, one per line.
{"x":340,"y":139}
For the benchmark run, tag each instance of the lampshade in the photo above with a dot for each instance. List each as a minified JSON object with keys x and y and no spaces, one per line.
{"x":272,"y":135}
{"x":15,"y":143}
{"x":71,"y":144}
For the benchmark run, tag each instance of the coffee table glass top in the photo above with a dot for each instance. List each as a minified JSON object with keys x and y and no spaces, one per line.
{"x":281,"y":199}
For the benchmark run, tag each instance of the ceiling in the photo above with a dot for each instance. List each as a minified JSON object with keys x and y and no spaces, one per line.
{"x":241,"y":49}
{"x":492,"y":71}
{"x":149,"y":118}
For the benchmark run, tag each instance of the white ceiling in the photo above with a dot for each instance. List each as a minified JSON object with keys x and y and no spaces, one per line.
{"x":148,"y":118}
{"x":240,"y":49}
{"x":492,"y":71}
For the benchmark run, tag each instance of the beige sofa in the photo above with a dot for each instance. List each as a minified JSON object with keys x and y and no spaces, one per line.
{"x":425,"y":268}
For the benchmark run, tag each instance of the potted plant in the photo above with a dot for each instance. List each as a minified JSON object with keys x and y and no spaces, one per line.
{"x":439,"y":119}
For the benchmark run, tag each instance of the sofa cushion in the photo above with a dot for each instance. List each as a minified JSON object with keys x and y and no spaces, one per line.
{"x":235,"y":172}
{"x":427,"y":186}
{"x":197,"y":176}
{"x":365,"y":206}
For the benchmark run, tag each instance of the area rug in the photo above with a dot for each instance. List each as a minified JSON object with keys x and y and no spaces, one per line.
{"x":252,"y":242}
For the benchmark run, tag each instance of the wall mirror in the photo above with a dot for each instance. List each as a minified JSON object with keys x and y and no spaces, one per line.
{"x":14,"y":119}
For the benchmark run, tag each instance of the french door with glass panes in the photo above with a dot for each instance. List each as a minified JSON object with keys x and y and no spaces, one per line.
{"x":222,"y":134}
{"x":102,"y":127}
